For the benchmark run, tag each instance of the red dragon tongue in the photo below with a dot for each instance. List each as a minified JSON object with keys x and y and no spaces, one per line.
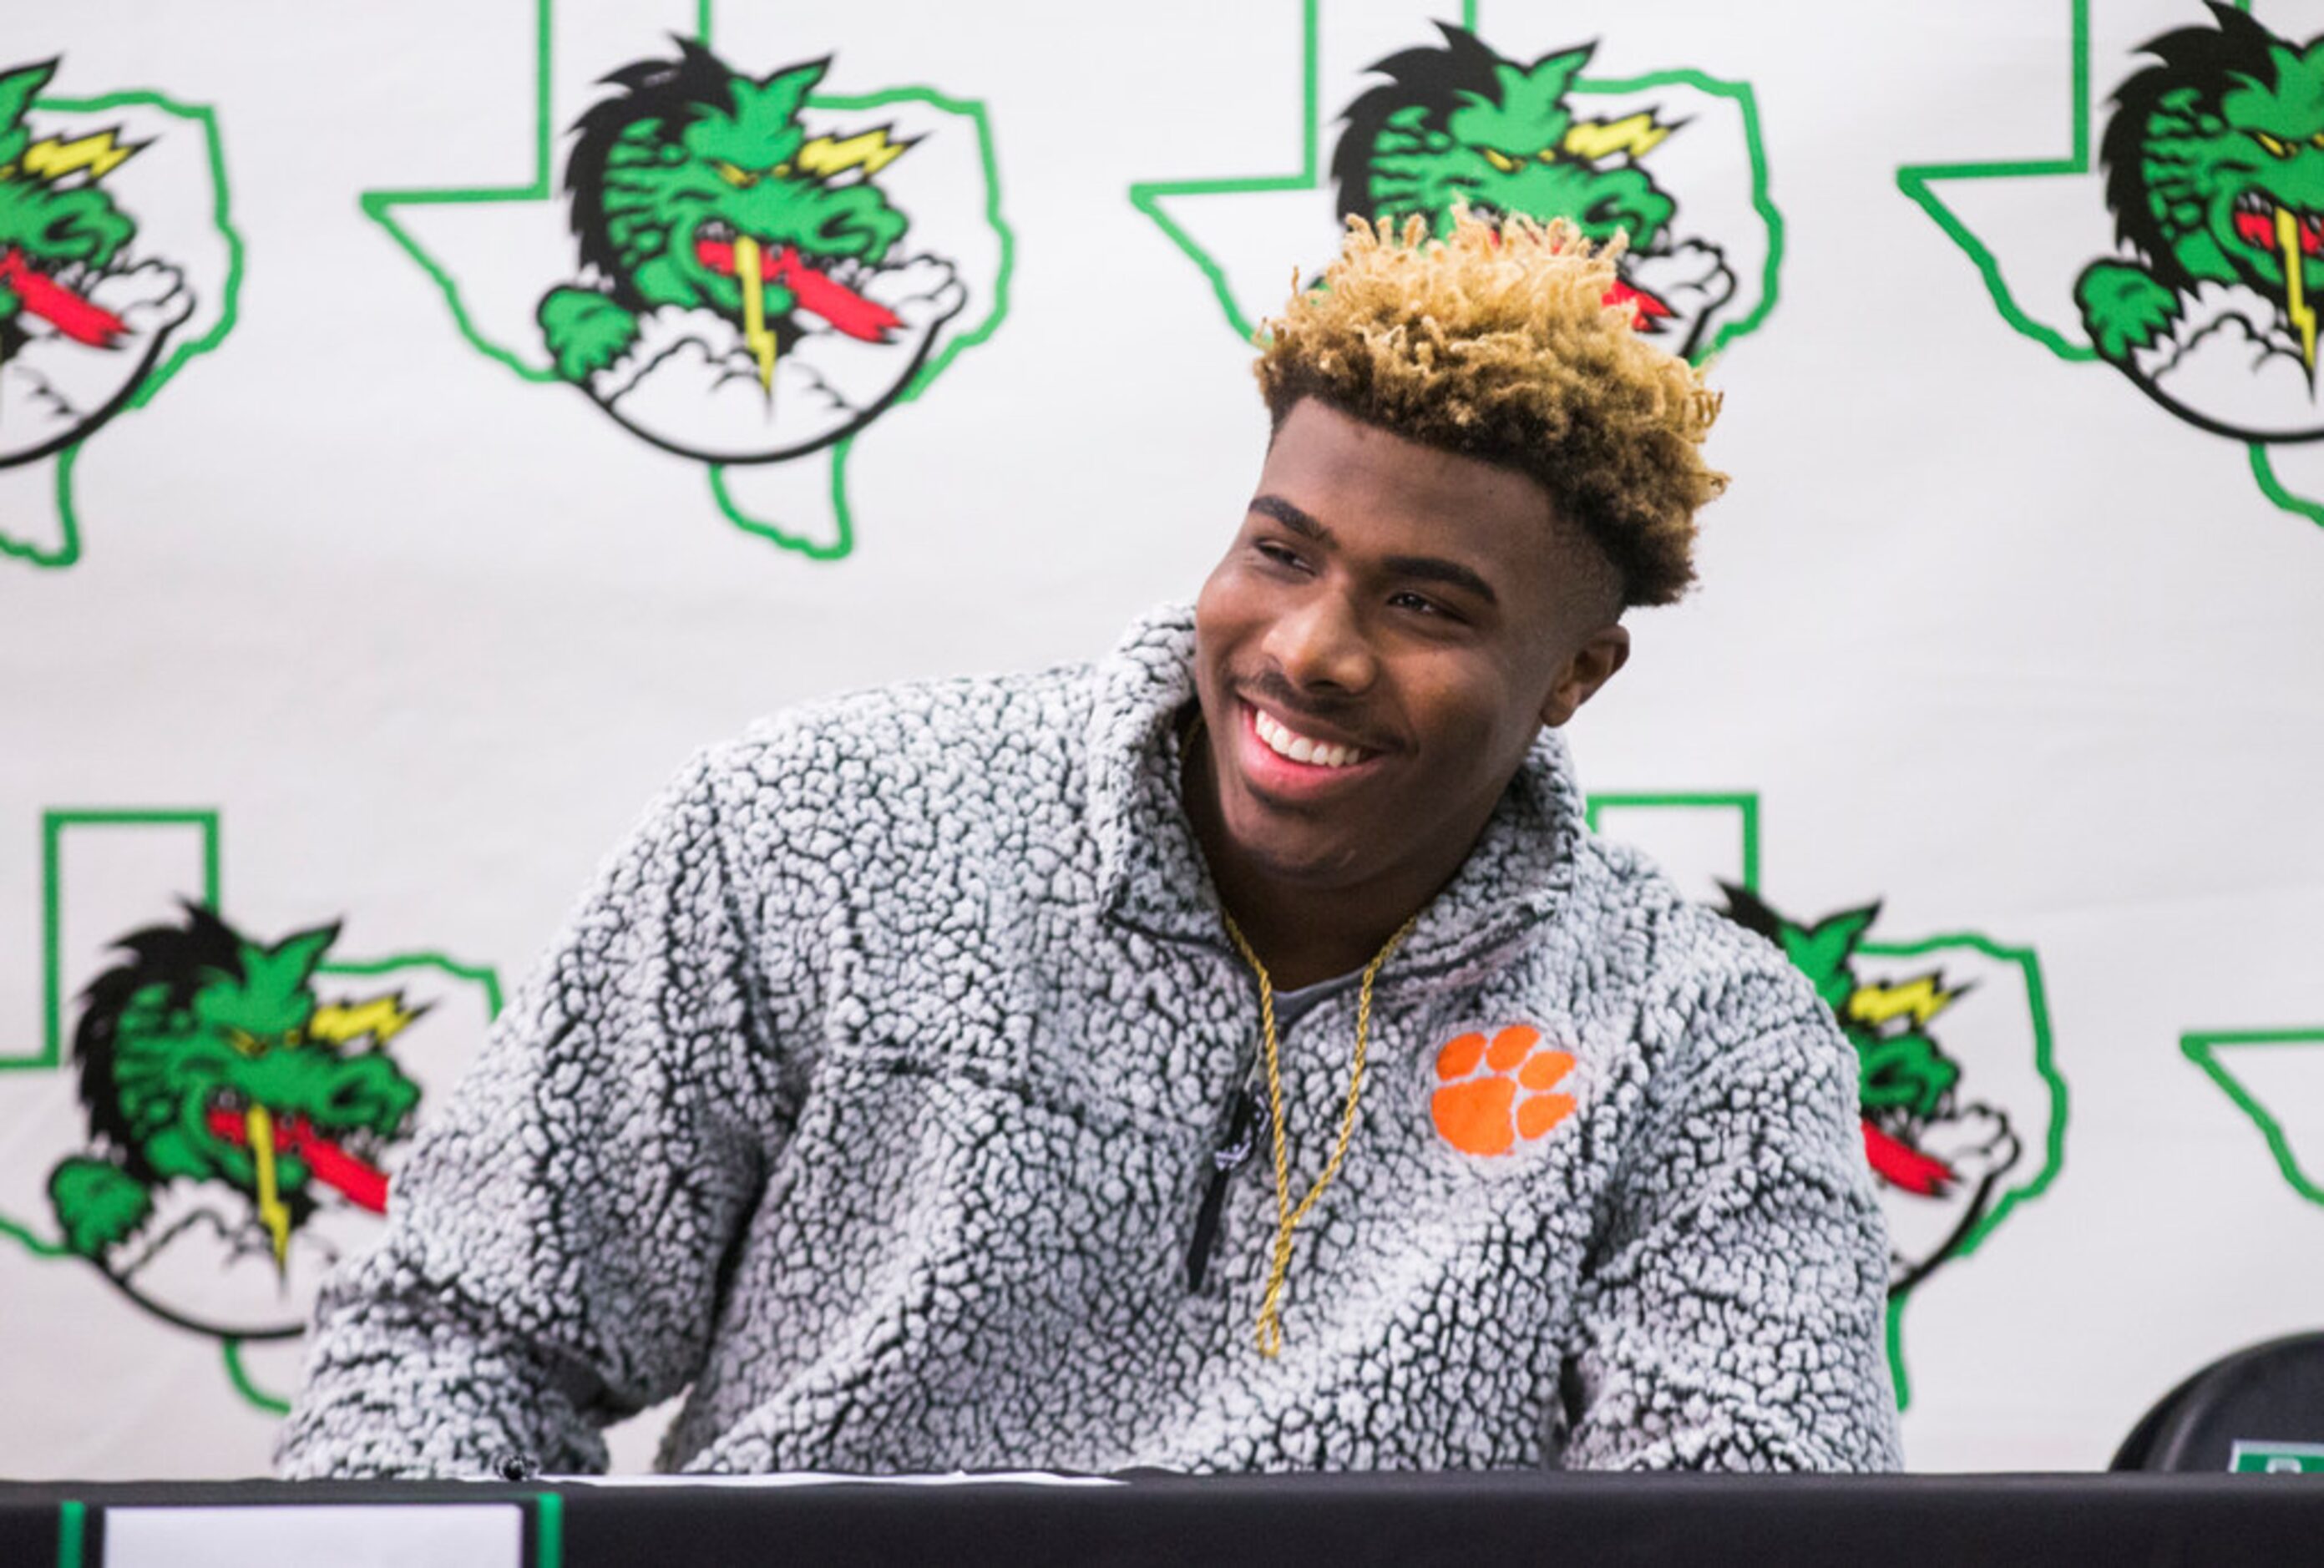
{"x":1900,"y":1165}
{"x":52,"y":302}
{"x":362,"y":1184}
{"x":2257,"y":230}
{"x":1645,"y":310}
{"x":718,"y":255}
{"x":847,"y":310}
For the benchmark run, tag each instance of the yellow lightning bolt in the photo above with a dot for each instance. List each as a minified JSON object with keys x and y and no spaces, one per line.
{"x":870,"y":151}
{"x":1637,"y":134}
{"x":100,"y":153}
{"x":383,"y":1018}
{"x":754,"y":308}
{"x":272,"y":1210}
{"x":2295,"y":298}
{"x":1922,"y":999}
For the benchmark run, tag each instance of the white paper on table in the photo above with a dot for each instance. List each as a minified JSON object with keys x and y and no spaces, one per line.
{"x":343,"y":1535}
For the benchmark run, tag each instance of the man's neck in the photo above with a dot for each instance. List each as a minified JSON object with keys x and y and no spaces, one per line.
{"x":1303,"y":934}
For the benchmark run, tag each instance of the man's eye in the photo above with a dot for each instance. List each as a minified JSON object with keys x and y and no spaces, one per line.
{"x":1425,"y":606}
{"x":1278,"y":554}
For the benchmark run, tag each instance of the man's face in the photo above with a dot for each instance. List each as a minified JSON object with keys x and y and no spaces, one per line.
{"x":1386,"y":635}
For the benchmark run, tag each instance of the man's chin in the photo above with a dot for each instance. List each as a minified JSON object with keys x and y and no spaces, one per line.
{"x":1307,"y":862}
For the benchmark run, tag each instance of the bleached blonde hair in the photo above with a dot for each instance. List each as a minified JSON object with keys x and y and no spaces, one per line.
{"x":1499,"y":343}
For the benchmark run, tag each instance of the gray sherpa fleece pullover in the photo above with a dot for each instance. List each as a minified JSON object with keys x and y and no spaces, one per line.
{"x":873,"y":1093}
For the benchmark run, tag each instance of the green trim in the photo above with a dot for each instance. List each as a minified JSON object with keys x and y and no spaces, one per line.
{"x":1895,"y":1336}
{"x":2201,"y":1048}
{"x":1754,"y":146}
{"x":814,"y":549}
{"x":2263,"y":471}
{"x":2054,"y":1136}
{"x":480,"y":974}
{"x":549,"y":1522}
{"x":30,"y":1242}
{"x":1914,"y":180}
{"x":1148,"y":195}
{"x":67,"y":552}
{"x":52,"y":831}
{"x":72,"y":1532}
{"x":973,"y":109}
{"x":1745,"y":801}
{"x":379,"y":205}
{"x":243,"y":1385}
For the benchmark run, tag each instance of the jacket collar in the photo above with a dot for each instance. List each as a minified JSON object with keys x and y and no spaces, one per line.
{"x":1151,"y":875}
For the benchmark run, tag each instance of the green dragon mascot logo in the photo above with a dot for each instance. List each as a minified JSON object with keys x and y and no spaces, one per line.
{"x":746,"y":299}
{"x":748,"y":272}
{"x":1461,"y":125}
{"x":1942,"y":1158}
{"x":227,"y":1103}
{"x":2215,"y":175}
{"x":1670,"y":163}
{"x":111,"y":275}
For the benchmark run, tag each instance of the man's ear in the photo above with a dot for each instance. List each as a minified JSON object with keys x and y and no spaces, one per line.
{"x":1594,"y":663}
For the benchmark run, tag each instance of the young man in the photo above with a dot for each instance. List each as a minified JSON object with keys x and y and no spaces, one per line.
{"x":1234,"y":1055}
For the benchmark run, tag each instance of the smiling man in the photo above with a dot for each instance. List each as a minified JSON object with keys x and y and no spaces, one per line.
{"x":1237,"y":1054}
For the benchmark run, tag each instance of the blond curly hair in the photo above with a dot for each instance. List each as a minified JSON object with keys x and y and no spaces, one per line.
{"x":1497,"y":342}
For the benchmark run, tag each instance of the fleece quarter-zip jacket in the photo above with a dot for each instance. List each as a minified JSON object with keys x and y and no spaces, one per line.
{"x":871,"y":1100}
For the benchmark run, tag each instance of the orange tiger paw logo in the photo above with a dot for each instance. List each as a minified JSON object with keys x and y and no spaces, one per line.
{"x":1492,"y":1094}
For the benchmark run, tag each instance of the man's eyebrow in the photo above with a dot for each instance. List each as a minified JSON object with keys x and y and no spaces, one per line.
{"x":1298,"y":521}
{"x":1434,"y":569}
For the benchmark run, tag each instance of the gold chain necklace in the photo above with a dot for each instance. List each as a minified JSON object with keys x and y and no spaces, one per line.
{"x":1287,"y":1218}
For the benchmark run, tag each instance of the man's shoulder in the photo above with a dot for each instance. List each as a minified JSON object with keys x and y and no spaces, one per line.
{"x":891,"y":745}
{"x":1693,"y":959}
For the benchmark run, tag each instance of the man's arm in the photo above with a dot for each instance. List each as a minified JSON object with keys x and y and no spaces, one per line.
{"x":1733,"y":1317}
{"x":554,"y":1240}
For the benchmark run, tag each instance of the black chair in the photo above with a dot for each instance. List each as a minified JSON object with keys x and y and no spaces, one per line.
{"x":2271,"y":1395}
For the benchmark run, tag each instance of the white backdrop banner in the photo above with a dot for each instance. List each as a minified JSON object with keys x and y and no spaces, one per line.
{"x":423,"y":425}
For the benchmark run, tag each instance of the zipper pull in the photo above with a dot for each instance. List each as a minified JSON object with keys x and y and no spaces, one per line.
{"x":1230,"y":1157}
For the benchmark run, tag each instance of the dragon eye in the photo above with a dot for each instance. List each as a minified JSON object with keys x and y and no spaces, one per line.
{"x":780,"y":171}
{"x":736,"y":174}
{"x":2276,"y":146}
{"x":1500,"y":160}
{"x":1547,"y":155}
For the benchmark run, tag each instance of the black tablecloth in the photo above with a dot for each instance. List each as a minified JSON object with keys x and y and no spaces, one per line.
{"x":1861,"y":1522}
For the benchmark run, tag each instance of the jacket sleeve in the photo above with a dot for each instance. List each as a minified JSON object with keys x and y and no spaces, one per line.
{"x":554,"y":1240}
{"x":1733,"y":1317}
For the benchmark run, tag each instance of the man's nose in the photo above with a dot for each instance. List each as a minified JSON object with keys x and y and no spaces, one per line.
{"x":1320,"y":644}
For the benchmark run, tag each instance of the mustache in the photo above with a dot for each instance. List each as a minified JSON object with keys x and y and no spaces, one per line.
{"x":1271,"y":686}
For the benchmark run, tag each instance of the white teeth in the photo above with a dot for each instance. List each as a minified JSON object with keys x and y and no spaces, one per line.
{"x":1287,"y":743}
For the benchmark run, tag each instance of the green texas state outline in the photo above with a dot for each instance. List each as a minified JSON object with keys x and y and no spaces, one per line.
{"x":2276,"y":1078}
